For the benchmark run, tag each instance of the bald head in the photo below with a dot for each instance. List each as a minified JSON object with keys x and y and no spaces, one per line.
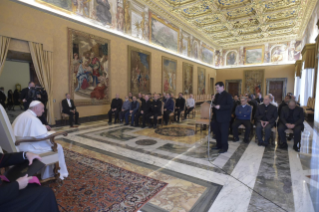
{"x":38,"y":109}
{"x":266,"y":100}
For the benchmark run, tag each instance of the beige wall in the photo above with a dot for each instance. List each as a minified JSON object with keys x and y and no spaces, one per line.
{"x":282,"y":71}
{"x":30,"y":24}
{"x":14,"y":73}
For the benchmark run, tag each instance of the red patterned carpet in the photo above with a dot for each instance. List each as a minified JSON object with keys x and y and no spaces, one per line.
{"x":94,"y":185}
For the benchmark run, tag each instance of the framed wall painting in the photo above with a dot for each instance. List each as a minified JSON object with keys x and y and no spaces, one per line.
{"x":207,"y":54}
{"x":163,"y":34}
{"x":139,"y":71}
{"x":169,"y":71}
{"x":89,"y":68}
{"x":254,"y":55}
{"x":253,"y":81}
{"x":201,"y":80}
{"x":188,"y":73}
{"x":231,"y":58}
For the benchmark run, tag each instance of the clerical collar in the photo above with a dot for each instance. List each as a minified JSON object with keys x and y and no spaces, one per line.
{"x":33,"y":113}
{"x":243,"y":105}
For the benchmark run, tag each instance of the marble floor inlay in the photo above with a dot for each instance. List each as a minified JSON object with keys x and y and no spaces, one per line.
{"x":246,"y":178}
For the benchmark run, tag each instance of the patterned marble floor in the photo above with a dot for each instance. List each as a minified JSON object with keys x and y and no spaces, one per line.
{"x":246,"y":178}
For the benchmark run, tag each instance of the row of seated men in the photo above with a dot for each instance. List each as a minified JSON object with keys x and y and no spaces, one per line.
{"x":150,"y":109}
{"x":265,"y":114}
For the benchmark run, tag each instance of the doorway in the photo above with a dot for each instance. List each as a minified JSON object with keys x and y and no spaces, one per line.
{"x":233,"y":87}
{"x":277,"y":87}
{"x":212,"y":86}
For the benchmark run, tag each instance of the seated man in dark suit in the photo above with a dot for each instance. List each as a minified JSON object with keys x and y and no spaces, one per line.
{"x":20,"y":195}
{"x":134,"y":107}
{"x":243,"y":114}
{"x":115,"y":108}
{"x":24,"y":95}
{"x":283,"y":104}
{"x":69,"y":108}
{"x":156,"y":110}
{"x":145,"y":111}
{"x":180,"y":104}
{"x":236,"y":102}
{"x":168,"y":107}
{"x":265,"y":118}
{"x":291,"y":117}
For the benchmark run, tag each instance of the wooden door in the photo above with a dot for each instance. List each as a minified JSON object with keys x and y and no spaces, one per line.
{"x":233,"y":88}
{"x":276,"y":89}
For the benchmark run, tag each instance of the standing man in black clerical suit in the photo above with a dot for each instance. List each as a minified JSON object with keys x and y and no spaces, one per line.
{"x":291,"y":117}
{"x":24,"y":95}
{"x":265,"y":119}
{"x":222,"y":109}
{"x":20,"y":195}
{"x":69,"y":108}
{"x":116,"y":106}
{"x":180,"y":105}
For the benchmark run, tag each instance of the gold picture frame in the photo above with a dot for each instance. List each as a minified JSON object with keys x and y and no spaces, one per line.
{"x":188,"y":84}
{"x":56,"y":7}
{"x":201,"y":83}
{"x":252,"y":53}
{"x":172,"y":78}
{"x":139,"y":70}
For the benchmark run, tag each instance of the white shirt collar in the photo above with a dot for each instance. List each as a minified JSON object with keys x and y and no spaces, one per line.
{"x":244,"y":105}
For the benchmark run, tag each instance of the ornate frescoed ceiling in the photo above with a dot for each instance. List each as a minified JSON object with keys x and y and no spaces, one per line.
{"x":233,"y":23}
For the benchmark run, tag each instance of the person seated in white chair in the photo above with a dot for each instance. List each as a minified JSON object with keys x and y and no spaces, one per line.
{"x":28,"y":125}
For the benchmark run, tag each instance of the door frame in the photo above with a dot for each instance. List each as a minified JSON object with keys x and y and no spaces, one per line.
{"x":284,"y":89}
{"x":235,"y":80}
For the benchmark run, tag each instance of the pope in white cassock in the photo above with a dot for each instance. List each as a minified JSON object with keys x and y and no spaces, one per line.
{"x":28,"y":125}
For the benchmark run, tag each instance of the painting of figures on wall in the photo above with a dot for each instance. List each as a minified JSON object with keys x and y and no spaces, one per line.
{"x":185,"y":44}
{"x":139,"y":70}
{"x":188,"y":70}
{"x":169,"y":70}
{"x":231,"y":58}
{"x":201,"y":80}
{"x":254,"y":55}
{"x":102,"y":11}
{"x":277,"y":53}
{"x":207,"y":55}
{"x":253,"y":81}
{"x":295,"y":52}
{"x":163,"y":34}
{"x":195,"y":50}
{"x":89,"y":68}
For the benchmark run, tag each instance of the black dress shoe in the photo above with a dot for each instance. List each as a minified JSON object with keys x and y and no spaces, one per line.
{"x":296,"y":148}
{"x":246,"y":141}
{"x":222,"y":151}
{"x":235,"y":139}
{"x":215,"y":147}
{"x":143,"y":126}
{"x":260,"y":143}
{"x":77,"y":124}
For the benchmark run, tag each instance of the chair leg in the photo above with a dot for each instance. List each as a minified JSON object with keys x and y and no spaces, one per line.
{"x":56,"y":170}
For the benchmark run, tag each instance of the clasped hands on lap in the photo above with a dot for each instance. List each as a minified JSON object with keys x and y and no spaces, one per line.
{"x":264,"y":123}
{"x":23,"y":181}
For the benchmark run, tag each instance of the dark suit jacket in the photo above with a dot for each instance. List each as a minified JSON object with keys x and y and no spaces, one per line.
{"x":281,"y":106}
{"x":271,"y":113}
{"x":9,"y":191}
{"x":254,"y":104}
{"x":298,"y":116}
{"x":3,"y":98}
{"x":157,"y":107}
{"x":180,"y":102}
{"x":223,"y":114}
{"x":169,"y":104}
{"x":117,"y":103}
{"x":146,"y":107}
{"x":24,"y":95}
{"x":259,"y":100}
{"x":65,"y":106}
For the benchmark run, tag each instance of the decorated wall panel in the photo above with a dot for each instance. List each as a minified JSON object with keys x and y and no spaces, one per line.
{"x":169,"y":75}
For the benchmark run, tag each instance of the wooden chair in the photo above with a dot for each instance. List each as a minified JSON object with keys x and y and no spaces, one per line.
{"x":161,"y":116}
{"x":9,"y":143}
{"x":308,"y":106}
{"x":64,"y":116}
{"x":204,"y":116}
{"x":311,"y":109}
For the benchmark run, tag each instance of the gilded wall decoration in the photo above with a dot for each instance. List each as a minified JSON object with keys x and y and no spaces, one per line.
{"x":201,"y":80}
{"x":207,"y":54}
{"x":163,"y":33}
{"x":89,"y":72}
{"x":254,"y":55}
{"x":294,"y":51}
{"x":169,"y":71}
{"x":231,"y":58}
{"x":139,"y":70}
{"x":188,"y":74}
{"x":254,"y":81}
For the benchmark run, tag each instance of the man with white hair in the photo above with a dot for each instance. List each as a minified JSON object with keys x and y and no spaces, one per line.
{"x":28,"y":125}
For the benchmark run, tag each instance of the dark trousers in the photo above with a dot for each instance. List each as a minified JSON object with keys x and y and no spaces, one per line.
{"x":145,"y":118}
{"x":220,"y":130}
{"x":155,"y":115}
{"x":166,"y":116}
{"x":132,"y":118}
{"x":259,"y":132}
{"x":231,"y":124}
{"x":71,"y":117}
{"x":247,"y":125}
{"x":178,"y":114}
{"x":297,"y":133}
{"x":187,"y":111}
{"x":122,"y":115}
{"x":116,"y":113}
